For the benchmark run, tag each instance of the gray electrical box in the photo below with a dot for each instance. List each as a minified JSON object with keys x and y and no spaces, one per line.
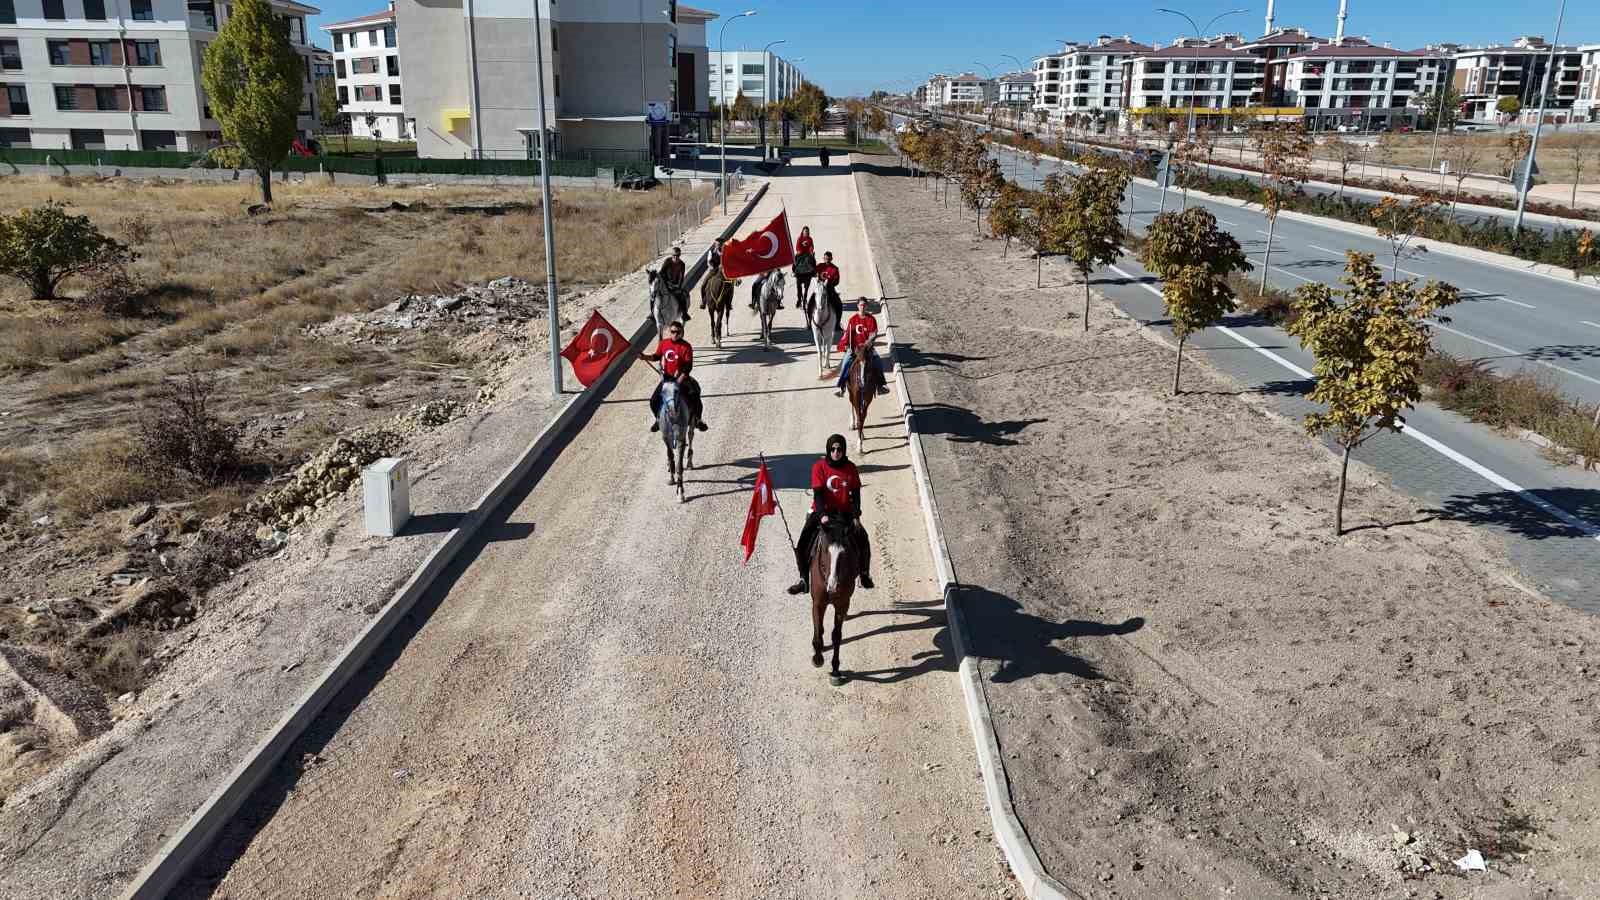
{"x":386,"y":492}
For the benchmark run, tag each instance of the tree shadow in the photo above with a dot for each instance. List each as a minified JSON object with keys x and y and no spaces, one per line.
{"x":1385,"y":526}
{"x":1515,"y":513}
{"x":1566,"y":352}
{"x":1022,"y":644}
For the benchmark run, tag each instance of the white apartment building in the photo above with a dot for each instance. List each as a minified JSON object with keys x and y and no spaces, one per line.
{"x":761,"y":76}
{"x":366,"y":69}
{"x":1587,"y":107}
{"x":1483,"y":75}
{"x":92,"y":75}
{"x":1213,"y":77}
{"x":1084,"y":78}
{"x":1354,"y":82}
{"x":1016,"y":90}
{"x":966,"y":88}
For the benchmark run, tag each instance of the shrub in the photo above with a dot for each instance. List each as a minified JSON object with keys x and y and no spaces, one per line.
{"x":180,"y":433}
{"x":45,"y":245}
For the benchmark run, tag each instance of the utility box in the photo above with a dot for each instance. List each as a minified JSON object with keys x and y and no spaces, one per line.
{"x":386,"y":491}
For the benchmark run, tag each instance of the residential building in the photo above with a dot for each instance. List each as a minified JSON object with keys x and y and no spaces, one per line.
{"x":89,"y":75}
{"x":1016,"y":90}
{"x":692,"y":94}
{"x":1354,"y":82}
{"x":1276,"y":44}
{"x":1048,"y":82}
{"x":1215,"y":77}
{"x":966,"y":88}
{"x":1483,"y":75}
{"x":1587,"y":107}
{"x":321,"y":64}
{"x":366,"y":66}
{"x":761,"y":76}
{"x":468,"y":67}
{"x":1085,"y":78}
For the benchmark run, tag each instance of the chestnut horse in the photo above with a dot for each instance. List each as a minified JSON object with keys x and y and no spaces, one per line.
{"x":836,"y":561}
{"x":863,"y":386}
{"x":717,"y":294}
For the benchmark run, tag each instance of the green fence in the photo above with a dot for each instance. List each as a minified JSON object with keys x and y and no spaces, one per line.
{"x":156,"y":159}
{"x":348,"y":165}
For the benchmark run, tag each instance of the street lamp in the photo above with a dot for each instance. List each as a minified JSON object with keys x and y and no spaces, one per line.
{"x":722,"y":92}
{"x":1198,"y":32}
{"x":767,"y":80}
{"x":549,"y":221}
{"x":1544,"y":100}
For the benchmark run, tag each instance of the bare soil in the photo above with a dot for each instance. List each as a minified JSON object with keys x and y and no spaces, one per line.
{"x":1199,"y":690}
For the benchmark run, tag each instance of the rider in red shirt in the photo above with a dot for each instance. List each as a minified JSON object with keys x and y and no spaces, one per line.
{"x":859,"y":332}
{"x":803,"y":243}
{"x":835,"y":491}
{"x":829,"y":275}
{"x":677,"y":360}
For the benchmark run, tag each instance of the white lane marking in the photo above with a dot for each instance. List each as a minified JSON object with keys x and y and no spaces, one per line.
{"x":1516,"y":302}
{"x":1291,"y":274}
{"x":1338,"y":253}
{"x":1466,"y":462}
{"x":1589,"y":323}
{"x":1229,"y":224}
{"x":1518,"y":353}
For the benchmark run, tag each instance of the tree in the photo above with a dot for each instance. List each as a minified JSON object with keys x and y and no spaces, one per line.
{"x":1399,"y":223}
{"x":252,"y":77}
{"x":1090,"y":228}
{"x":45,"y":245}
{"x":1045,"y":230}
{"x":1514,"y":150}
{"x":1586,"y":258}
{"x":1344,"y":155}
{"x":1462,"y":154}
{"x":1444,"y":101}
{"x":1005,"y":215}
{"x":1285,"y":154}
{"x":1193,"y":259}
{"x":877,"y":122}
{"x":1507,"y":107}
{"x":744,"y":109}
{"x":328,"y":114}
{"x":1369,"y":348}
{"x":1193,"y":151}
{"x":1582,"y":151}
{"x":982,"y":186}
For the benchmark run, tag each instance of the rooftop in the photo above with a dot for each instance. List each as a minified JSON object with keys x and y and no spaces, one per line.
{"x":699,"y":15}
{"x":1353,"y":48}
{"x":1295,"y":35}
{"x":1197,"y":51}
{"x":369,"y":19}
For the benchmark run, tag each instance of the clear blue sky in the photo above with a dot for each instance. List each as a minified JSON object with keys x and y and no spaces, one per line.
{"x":854,"y":47}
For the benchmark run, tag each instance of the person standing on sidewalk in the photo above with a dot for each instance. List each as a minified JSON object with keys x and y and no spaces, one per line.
{"x":824,"y":156}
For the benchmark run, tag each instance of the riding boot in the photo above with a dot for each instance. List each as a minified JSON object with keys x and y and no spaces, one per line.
{"x":801,"y":563}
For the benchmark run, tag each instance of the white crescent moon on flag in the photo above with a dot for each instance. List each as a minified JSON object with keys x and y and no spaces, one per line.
{"x":670,"y":356}
{"x":594,"y":342}
{"x":832,"y":486}
{"x":772,"y":239}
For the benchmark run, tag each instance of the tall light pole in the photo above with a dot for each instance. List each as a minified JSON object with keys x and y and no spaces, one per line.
{"x":982,"y":93}
{"x":767,"y":80}
{"x":549,"y":220}
{"x":1544,"y":100}
{"x":1021,"y":67}
{"x":1198,"y":31}
{"x":722,"y":92}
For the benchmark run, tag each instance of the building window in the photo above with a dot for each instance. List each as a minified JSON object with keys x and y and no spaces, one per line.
{"x":753,"y":69}
{"x":558,"y":85}
{"x":394,"y":66}
{"x":143,"y":10}
{"x":372,"y":38}
{"x":297,"y":30}
{"x":369,"y":93}
{"x":394,"y":95}
{"x":10,"y":55}
{"x":158,"y":140}
{"x":95,"y":10}
{"x":338,"y":41}
{"x":389,"y":37}
{"x":344,"y":96}
{"x":59,"y":53}
{"x":105,"y":98}
{"x":100,"y":53}
{"x":15,"y":137}
{"x":366,"y":65}
{"x":153,"y":99}
{"x":8,"y":12}
{"x":147,"y":53}
{"x":54,"y":10}
{"x":338,"y":68}
{"x":17,"y":95}
{"x":88,"y":139}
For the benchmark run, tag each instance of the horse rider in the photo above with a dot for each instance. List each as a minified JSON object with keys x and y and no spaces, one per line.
{"x":824,"y":157}
{"x":673,"y":272}
{"x":804,"y":243}
{"x":760,"y":284}
{"x":677,"y":360}
{"x":713,"y":262}
{"x":828,"y":274}
{"x":835,"y":491}
{"x":859,"y":333}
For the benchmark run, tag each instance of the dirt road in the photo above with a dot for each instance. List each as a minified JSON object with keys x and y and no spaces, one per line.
{"x":601,"y":702}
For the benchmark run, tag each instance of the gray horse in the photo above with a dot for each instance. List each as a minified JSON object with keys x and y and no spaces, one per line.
{"x":677,"y":432}
{"x":771,"y":296}
{"x":666,"y":305}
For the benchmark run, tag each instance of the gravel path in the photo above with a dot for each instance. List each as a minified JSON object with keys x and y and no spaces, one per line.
{"x":601,"y":702}
{"x":1198,"y":690}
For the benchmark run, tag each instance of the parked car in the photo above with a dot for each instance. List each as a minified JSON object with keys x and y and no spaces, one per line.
{"x":1349,"y":129}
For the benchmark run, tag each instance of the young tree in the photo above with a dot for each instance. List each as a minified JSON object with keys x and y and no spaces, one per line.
{"x":1399,"y":223}
{"x":1369,"y":348}
{"x":1507,"y":107}
{"x":1582,"y":152}
{"x":1344,"y":155}
{"x":252,"y":77}
{"x":1045,"y":229}
{"x":1444,"y":101}
{"x":981,"y":187}
{"x":1285,"y":154}
{"x":43,"y":246}
{"x":328,"y":114}
{"x":1193,"y":259}
{"x":877,"y":122}
{"x":1006,"y":215}
{"x":1090,"y":228}
{"x":1514,"y":150}
{"x":1462,"y":154}
{"x":1587,"y":258}
{"x":1187,"y":157}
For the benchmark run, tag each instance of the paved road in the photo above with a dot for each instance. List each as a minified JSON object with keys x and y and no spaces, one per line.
{"x":604,"y":703}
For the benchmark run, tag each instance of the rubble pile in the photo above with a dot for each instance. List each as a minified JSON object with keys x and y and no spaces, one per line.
{"x":502,"y":305}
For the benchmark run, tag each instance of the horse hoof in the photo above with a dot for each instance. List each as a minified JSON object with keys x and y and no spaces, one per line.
{"x":836,"y":679}
{"x":817,"y":660}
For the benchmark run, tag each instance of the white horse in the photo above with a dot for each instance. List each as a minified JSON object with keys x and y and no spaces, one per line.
{"x":820,"y":314}
{"x":666,"y":306}
{"x":771,"y":296}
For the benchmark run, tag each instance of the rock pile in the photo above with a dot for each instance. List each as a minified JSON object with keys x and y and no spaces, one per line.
{"x":499,"y":304}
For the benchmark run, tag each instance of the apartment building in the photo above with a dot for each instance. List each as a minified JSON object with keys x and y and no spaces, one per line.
{"x":1016,"y":90}
{"x":1085,"y":78}
{"x":91,"y":75}
{"x":966,"y":88}
{"x":366,"y":68}
{"x":1275,"y":44}
{"x":321,"y":64}
{"x":468,"y":67}
{"x":1483,"y":75}
{"x":1587,"y":107}
{"x":1355,"y":82}
{"x":762,"y":76}
{"x":1214,"y":76}
{"x":692,"y":96}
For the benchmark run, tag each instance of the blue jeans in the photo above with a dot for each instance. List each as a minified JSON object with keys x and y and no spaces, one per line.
{"x":844,"y":369}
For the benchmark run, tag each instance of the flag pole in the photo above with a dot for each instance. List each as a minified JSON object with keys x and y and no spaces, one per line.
{"x":779,"y":504}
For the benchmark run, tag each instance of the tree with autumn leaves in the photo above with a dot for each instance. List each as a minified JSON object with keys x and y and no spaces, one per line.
{"x":1285,"y":154}
{"x":1193,"y":259}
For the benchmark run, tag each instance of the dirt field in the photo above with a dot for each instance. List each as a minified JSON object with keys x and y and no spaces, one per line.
{"x":1199,"y":690}
{"x":291,"y":316}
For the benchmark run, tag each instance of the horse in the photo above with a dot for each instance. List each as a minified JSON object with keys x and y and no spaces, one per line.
{"x":677,"y":432}
{"x":805,"y":269}
{"x":820,"y":314}
{"x":835,"y":564}
{"x":771,"y":296}
{"x":863,"y":386}
{"x":666,"y":305}
{"x":717,"y":293}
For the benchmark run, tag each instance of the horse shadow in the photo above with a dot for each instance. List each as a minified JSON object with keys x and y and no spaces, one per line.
{"x":964,"y":426}
{"x":1023,"y":645}
{"x":911,"y":357}
{"x":940,"y":657}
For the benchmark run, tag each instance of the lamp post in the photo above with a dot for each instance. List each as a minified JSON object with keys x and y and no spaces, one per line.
{"x":1538,"y":124}
{"x":722,"y":92}
{"x":549,"y":220}
{"x":1021,"y":67}
{"x":767,"y":80}
{"x":983,"y":94}
{"x":1198,"y":31}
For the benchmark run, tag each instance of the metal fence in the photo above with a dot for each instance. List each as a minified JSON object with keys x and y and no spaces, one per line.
{"x":692,"y":208}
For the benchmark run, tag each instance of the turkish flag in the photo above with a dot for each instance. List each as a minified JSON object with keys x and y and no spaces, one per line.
{"x":593,"y":348}
{"x":764,"y":250}
{"x":762,"y":503}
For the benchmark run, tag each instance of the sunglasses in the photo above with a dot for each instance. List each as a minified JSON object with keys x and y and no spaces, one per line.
{"x":836,"y":448}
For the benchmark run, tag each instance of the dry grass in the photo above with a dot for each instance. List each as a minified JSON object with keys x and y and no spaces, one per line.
{"x":1555,"y":152}
{"x":1520,"y":400}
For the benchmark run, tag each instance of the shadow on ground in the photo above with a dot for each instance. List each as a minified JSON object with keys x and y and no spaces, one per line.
{"x":1024,"y":645}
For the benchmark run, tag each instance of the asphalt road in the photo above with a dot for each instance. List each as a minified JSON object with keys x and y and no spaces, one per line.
{"x":603,"y":702}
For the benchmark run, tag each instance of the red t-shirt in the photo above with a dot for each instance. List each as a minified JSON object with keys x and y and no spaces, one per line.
{"x":804,"y":244}
{"x":829,"y":272}
{"x":838,"y":481}
{"x":675,"y":355}
{"x":859,"y":330}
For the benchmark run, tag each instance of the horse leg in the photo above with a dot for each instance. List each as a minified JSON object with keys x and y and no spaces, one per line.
{"x":840,"y":608}
{"x":689,"y":436}
{"x":682,"y":443}
{"x":668,"y":443}
{"x":819,"y":606}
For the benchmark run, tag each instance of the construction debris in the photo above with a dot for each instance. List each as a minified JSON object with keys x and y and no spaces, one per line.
{"x":499,"y":304}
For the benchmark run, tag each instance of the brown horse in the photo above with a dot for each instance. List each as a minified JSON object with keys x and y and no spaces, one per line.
{"x":716,"y":292}
{"x":863,"y":386}
{"x":837,"y":557}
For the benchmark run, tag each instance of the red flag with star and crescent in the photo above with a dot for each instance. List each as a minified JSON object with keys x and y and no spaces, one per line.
{"x":762,"y":504}
{"x":764,"y":250}
{"x":593,"y":348}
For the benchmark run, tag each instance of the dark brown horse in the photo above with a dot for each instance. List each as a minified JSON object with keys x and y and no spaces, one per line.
{"x":837,"y":558}
{"x":717,"y":294}
{"x":863,"y":386}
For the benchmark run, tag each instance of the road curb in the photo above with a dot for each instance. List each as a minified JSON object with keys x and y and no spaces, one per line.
{"x":185,"y":848}
{"x":1036,"y":883}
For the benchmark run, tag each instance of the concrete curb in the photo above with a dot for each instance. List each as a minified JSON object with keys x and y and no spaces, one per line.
{"x":168,"y":867}
{"x":1036,"y":883}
